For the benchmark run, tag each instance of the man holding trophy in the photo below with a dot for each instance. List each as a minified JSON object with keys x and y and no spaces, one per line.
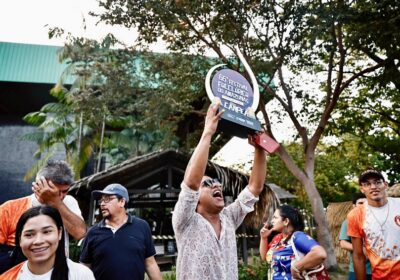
{"x":203,"y":226}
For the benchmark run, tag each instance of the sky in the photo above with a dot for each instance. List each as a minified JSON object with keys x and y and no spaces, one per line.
{"x":28,"y":21}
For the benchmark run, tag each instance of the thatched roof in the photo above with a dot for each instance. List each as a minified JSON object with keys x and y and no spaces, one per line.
{"x":394,"y":191}
{"x":155,"y":178}
{"x":336,"y":213}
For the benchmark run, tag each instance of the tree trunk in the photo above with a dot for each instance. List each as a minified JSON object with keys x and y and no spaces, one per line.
{"x":101,"y":144}
{"x":306,"y":177}
{"x":80,"y":136}
{"x":323,"y":234}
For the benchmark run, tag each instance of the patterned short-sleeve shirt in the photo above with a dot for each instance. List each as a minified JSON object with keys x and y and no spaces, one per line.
{"x":201,"y":255}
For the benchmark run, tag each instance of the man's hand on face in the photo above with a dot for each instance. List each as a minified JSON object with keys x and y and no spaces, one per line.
{"x":46,"y":192}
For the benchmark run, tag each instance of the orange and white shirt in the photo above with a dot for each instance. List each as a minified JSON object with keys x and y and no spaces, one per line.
{"x":379,"y":228}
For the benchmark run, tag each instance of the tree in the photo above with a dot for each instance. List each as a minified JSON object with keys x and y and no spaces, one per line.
{"x":97,"y":113}
{"x":58,"y":130}
{"x":372,"y":115}
{"x":290,"y":41}
{"x":372,"y":112}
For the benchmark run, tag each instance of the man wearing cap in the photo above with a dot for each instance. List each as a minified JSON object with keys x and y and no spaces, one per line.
{"x":204,"y":228}
{"x":375,"y":226}
{"x":120,"y":246}
{"x":51,"y":188}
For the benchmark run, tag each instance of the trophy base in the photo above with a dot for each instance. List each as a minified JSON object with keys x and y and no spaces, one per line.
{"x":236,"y":124}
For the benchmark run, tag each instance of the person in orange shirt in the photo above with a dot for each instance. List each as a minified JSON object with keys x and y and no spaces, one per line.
{"x":376,"y":225}
{"x":50,"y":188}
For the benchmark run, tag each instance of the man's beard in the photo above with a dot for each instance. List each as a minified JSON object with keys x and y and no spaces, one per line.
{"x":106,"y":215}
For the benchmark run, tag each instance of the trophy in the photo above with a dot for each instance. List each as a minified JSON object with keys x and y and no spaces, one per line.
{"x":239,"y":102}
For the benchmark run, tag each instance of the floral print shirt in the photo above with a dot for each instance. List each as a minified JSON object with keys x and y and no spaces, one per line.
{"x":201,"y":255}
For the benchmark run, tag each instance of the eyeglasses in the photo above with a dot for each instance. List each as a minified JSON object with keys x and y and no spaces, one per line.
{"x":377,"y":183}
{"x":209,"y":183}
{"x":106,"y":199}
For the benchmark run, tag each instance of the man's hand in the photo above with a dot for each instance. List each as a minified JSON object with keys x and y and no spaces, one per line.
{"x":212,"y":117}
{"x":46,"y":192}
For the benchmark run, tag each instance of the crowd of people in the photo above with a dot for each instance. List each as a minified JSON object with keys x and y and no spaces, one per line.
{"x":34,"y":230}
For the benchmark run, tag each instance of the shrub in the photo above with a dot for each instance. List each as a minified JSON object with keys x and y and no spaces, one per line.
{"x":171,"y":275}
{"x":258,"y":270}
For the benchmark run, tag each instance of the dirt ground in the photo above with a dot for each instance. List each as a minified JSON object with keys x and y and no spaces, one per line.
{"x":341,"y":274}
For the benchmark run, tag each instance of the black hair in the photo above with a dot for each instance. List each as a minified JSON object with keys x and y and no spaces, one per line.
{"x":60,"y":269}
{"x":294,"y":216}
{"x":357,"y":196}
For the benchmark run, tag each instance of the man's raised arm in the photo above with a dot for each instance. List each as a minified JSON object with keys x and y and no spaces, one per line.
{"x":198,"y":161}
{"x":258,"y":172}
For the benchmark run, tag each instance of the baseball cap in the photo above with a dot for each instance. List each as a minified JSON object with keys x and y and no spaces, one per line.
{"x":370,"y":172}
{"x":116,"y":189}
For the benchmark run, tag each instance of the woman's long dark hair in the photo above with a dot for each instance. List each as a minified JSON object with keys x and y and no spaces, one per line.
{"x":60,"y":270}
{"x":293,"y":215}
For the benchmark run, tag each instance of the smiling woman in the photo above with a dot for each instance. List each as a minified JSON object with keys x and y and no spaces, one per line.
{"x":40,"y":236}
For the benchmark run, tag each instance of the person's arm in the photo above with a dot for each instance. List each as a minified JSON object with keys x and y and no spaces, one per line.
{"x":314,"y":254}
{"x":74,"y":224}
{"x":344,"y":239}
{"x":354,"y":229}
{"x":358,"y":258}
{"x":258,"y":172}
{"x":48,"y":193}
{"x":4,"y":224}
{"x":344,"y":244}
{"x":264,"y":234}
{"x":152,"y":269}
{"x":198,"y":161}
{"x":313,"y":258}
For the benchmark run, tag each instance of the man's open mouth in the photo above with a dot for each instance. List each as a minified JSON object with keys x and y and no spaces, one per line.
{"x":217,"y":193}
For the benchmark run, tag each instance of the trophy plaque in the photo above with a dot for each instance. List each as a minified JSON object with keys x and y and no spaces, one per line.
{"x":239,"y":101}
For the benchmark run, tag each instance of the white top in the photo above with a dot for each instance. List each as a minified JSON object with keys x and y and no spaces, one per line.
{"x":382,"y":229}
{"x":76,"y":271}
{"x":201,"y":255}
{"x":72,"y":205}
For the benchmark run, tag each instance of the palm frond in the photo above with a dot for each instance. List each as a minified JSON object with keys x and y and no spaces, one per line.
{"x":56,"y":108}
{"x":36,"y":136}
{"x":35,"y":118}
